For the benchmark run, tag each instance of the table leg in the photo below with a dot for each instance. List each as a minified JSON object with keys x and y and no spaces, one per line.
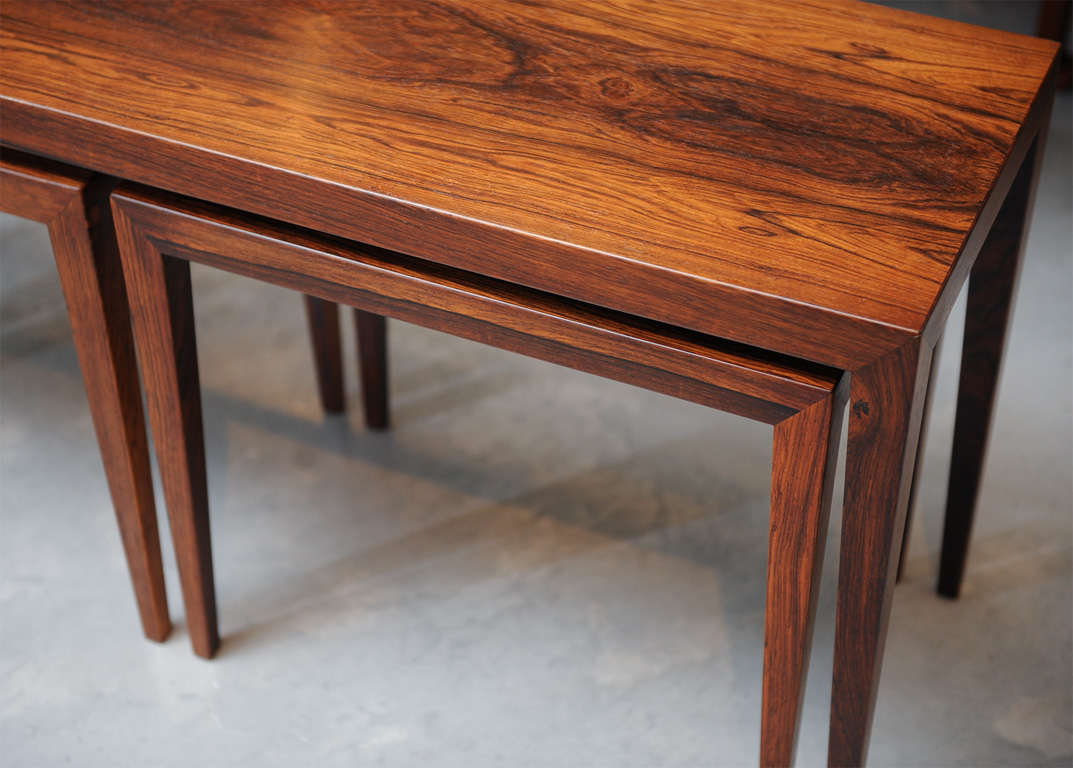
{"x":803,"y":466}
{"x":372,"y":351}
{"x":886,"y":406}
{"x":910,"y":507}
{"x":163,"y":313}
{"x":76,"y":212}
{"x":323,"y":319}
{"x":328,"y":355}
{"x":92,"y":282}
{"x":987,"y":317}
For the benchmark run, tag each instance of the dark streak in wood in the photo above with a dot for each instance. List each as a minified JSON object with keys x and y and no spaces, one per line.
{"x":812,"y":169}
{"x":638,"y":189}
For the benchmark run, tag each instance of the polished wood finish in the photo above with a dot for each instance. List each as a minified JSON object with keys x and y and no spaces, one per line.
{"x":323,"y":317}
{"x":987,"y":319}
{"x":74,"y":206}
{"x":372,"y":354}
{"x":803,"y":401}
{"x":812,"y":169}
{"x":762,"y":386}
{"x":886,"y":407}
{"x":162,"y":310}
{"x":805,"y":456}
{"x":610,"y":185}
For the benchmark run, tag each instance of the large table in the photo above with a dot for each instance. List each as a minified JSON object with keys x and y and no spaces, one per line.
{"x":813,"y":180}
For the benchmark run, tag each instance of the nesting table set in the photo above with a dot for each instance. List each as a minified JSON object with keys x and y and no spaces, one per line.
{"x":767,"y":208}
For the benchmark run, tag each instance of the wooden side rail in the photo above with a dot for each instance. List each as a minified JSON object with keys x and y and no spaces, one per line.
{"x":728,"y":376}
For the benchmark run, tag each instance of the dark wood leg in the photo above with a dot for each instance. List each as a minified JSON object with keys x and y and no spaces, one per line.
{"x":163,"y":312}
{"x":910,"y":507}
{"x":92,"y":283}
{"x":372,"y":352}
{"x":1051,"y":24}
{"x":803,"y":467}
{"x":987,"y":316}
{"x":83,"y":242}
{"x":886,"y":407}
{"x":328,"y":354}
{"x":323,"y":319}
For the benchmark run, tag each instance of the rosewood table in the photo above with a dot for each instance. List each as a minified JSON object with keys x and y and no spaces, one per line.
{"x":810,"y":180}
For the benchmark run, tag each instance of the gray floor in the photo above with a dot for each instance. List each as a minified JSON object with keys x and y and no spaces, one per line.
{"x":535,"y":568}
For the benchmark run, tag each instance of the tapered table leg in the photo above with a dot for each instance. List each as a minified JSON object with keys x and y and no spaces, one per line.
{"x":992,"y":285}
{"x":328,"y":355}
{"x":372,"y":352}
{"x":914,"y":487}
{"x":323,"y":319}
{"x":74,"y":207}
{"x":886,"y":406}
{"x":803,"y":466}
{"x":163,"y":313}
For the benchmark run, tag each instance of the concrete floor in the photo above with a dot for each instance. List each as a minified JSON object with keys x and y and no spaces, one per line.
{"x":535,"y":568}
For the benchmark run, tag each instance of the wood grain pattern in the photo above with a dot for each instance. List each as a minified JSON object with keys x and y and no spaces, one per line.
{"x":1035,"y":126}
{"x":886,"y":407}
{"x":812,"y":178}
{"x":163,"y":316}
{"x":74,"y":207}
{"x":992,"y":287}
{"x":804,"y":459}
{"x":812,"y":169}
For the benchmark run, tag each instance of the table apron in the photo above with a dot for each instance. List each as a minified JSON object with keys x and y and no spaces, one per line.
{"x":684,"y":364}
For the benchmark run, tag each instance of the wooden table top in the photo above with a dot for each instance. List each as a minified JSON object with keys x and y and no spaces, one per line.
{"x":799,"y":175}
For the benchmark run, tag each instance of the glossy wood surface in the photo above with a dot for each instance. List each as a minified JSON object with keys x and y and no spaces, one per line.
{"x":74,"y":206}
{"x":885,"y":412}
{"x":162,"y":311}
{"x":813,"y":178}
{"x":804,"y":459}
{"x":721,"y":374}
{"x":812,"y":169}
